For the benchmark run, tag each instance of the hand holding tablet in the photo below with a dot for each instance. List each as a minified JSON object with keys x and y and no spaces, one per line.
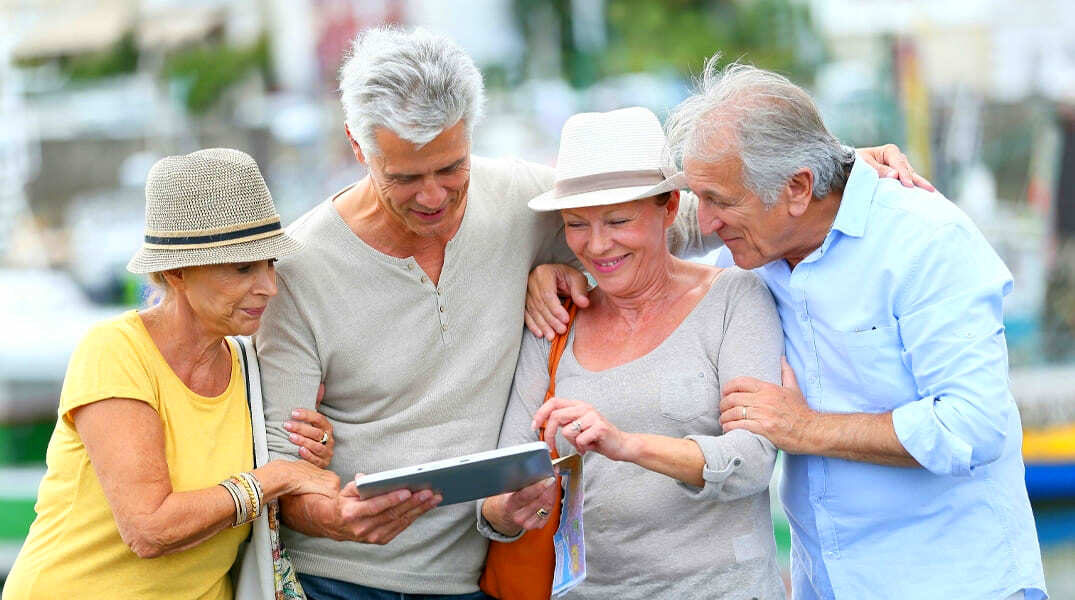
{"x":466,"y":478}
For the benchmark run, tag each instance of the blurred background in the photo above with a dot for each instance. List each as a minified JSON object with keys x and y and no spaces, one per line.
{"x":979,"y":93}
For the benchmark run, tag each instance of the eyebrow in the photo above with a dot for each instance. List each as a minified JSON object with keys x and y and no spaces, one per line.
{"x":445,"y":168}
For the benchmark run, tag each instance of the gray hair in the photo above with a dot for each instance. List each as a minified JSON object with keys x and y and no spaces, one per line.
{"x":776,"y":126}
{"x":416,"y":84}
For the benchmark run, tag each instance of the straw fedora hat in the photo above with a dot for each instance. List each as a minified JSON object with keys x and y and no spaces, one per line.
{"x":209,"y":207}
{"x":608,"y":158}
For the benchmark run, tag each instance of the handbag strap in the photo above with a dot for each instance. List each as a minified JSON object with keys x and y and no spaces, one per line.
{"x":244,"y":361}
{"x":559,"y":344}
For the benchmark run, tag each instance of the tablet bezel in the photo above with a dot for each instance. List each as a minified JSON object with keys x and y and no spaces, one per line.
{"x":466,"y":478}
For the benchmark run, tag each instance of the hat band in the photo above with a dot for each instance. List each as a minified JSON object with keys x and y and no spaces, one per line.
{"x":607,"y":181}
{"x":224,"y":238}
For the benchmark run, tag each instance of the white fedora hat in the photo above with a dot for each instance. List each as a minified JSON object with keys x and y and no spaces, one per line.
{"x":208,"y":207}
{"x":608,"y":158}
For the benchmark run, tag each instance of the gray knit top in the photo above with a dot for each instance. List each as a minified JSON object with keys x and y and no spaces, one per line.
{"x":648,"y":535}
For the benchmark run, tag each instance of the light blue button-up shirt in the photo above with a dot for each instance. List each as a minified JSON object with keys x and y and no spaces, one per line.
{"x":900,"y":310}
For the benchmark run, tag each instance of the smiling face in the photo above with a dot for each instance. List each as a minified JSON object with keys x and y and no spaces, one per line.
{"x":423,"y":190}
{"x":754,"y":234}
{"x":622,"y":245}
{"x":228,"y":299}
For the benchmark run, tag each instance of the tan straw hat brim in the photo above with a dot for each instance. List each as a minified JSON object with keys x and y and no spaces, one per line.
{"x":149,"y":260}
{"x":550,"y":201}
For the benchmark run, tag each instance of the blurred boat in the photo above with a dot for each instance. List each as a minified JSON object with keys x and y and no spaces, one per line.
{"x":1049,"y":455}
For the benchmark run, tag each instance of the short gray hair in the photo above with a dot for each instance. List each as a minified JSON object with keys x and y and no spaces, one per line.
{"x":415,"y":84}
{"x":777,"y":128}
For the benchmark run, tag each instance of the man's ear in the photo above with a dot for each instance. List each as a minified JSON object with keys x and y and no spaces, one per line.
{"x":799,"y":192}
{"x":671,"y":208}
{"x":355,"y":148}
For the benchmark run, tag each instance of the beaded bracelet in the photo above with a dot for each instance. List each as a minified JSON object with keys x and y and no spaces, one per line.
{"x":252,"y":495}
{"x":248,"y":494}
{"x":259,"y":495}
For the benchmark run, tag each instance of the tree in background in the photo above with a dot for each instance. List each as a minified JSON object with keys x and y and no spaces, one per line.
{"x":674,"y":35}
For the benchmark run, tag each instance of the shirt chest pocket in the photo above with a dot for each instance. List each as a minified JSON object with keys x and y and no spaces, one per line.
{"x":688,"y":397}
{"x":876,"y":359}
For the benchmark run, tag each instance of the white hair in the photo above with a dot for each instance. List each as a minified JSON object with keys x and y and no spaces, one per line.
{"x":776,"y":128}
{"x":416,"y":84}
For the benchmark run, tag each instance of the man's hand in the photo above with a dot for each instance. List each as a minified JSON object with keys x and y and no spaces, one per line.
{"x":545,"y":315}
{"x":380,"y":519}
{"x":777,"y":412}
{"x":528,"y":508}
{"x":889,"y":162}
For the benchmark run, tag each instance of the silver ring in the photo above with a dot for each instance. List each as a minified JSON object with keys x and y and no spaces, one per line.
{"x":324,"y":438}
{"x":744,"y":412}
{"x":542,"y":513}
{"x":577,"y":426}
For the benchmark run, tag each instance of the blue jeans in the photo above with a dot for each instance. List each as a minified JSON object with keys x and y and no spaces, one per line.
{"x":324,"y":588}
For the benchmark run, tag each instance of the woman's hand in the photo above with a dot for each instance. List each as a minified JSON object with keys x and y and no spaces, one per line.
{"x":545,"y":315}
{"x":296,"y":477}
{"x":307,"y":430}
{"x":585,"y":428}
{"x":528,"y":508}
{"x":889,"y":162}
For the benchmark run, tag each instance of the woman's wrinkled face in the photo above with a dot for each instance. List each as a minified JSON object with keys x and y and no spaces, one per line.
{"x":621,"y":245}
{"x":229,"y":299}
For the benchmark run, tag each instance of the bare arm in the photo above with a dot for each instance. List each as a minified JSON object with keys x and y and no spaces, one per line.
{"x":780,"y":413}
{"x":152,"y":518}
{"x":587,"y":429}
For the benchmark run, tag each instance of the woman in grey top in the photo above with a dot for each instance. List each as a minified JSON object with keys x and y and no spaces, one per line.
{"x":674,"y":509}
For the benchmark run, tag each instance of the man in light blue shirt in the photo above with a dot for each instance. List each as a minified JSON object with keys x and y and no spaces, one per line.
{"x":903,"y":475}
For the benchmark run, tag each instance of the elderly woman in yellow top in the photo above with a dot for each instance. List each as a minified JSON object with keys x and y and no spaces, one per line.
{"x":675,"y":507}
{"x":152,"y":455}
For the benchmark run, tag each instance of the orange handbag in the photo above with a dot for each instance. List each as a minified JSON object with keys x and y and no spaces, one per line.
{"x":523,"y":569}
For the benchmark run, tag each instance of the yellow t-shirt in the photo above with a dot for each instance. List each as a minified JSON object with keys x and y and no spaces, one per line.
{"x":74,"y":548}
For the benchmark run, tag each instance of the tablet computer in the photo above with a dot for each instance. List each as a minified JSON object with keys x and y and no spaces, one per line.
{"x":466,"y":477}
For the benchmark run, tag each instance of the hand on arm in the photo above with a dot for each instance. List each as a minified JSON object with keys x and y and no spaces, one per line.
{"x":307,"y":429}
{"x":889,"y":162}
{"x":545,"y":315}
{"x":588,"y":430}
{"x":780,"y":414}
{"x":347,"y":517}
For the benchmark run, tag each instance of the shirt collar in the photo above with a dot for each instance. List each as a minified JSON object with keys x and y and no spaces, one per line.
{"x":856,"y":200}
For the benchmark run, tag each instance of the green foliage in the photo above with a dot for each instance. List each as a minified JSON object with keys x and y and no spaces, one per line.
{"x":204,"y":73}
{"x":121,"y":58}
{"x":677,"y":35}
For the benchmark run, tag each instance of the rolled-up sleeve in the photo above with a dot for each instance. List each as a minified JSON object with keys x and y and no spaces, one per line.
{"x":951,"y":327}
{"x":737,"y":464}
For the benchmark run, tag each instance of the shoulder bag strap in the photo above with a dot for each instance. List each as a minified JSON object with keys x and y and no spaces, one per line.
{"x":559,"y":344}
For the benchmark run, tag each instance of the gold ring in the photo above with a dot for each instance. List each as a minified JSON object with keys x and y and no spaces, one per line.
{"x":744,"y":411}
{"x":324,"y":438}
{"x":542,"y":513}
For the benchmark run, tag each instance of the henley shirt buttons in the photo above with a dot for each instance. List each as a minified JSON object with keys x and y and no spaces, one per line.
{"x":422,"y":279}
{"x":410,"y":266}
{"x":444,"y":328}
